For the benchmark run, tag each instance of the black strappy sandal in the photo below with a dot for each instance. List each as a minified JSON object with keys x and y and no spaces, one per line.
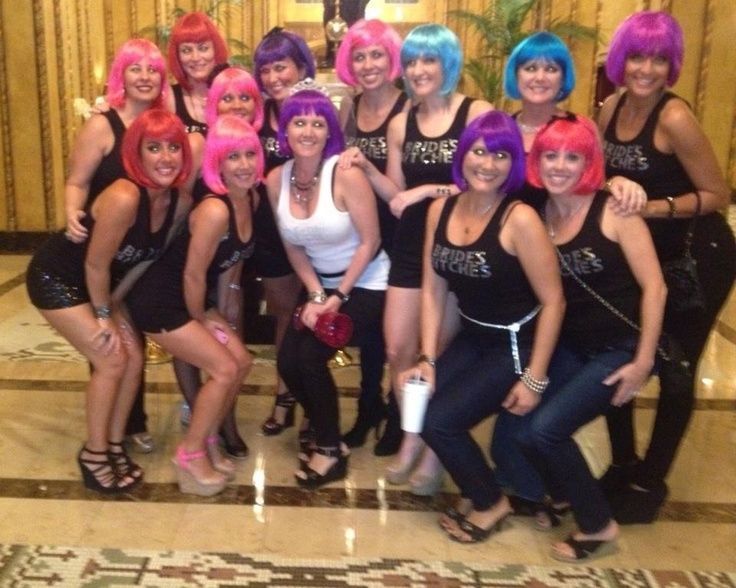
{"x":337,"y":471}
{"x":121,"y":462}
{"x":100,"y":475}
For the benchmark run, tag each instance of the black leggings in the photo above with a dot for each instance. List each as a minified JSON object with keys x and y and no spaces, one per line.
{"x":715,"y":253}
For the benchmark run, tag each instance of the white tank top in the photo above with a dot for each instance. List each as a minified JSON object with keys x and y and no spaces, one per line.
{"x":328,"y":236}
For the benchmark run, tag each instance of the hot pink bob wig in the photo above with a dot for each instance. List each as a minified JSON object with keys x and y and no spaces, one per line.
{"x":362,"y":34}
{"x":134,"y":51}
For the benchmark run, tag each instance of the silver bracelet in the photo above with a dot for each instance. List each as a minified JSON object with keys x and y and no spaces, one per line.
{"x":234,"y":286}
{"x":538,"y":386}
{"x":102,"y":312}
{"x":318,"y":297}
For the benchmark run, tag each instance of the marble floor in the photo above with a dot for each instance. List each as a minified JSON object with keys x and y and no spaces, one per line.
{"x":263,"y":513}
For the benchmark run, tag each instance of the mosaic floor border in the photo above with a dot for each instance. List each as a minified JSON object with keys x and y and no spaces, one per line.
{"x":51,"y":566}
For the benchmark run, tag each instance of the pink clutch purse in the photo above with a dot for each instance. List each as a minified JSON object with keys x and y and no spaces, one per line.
{"x":333,"y":328}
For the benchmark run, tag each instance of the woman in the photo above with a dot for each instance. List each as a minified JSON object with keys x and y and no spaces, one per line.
{"x":195,"y":48}
{"x":421,"y":144}
{"x":652,"y":137}
{"x":72,"y":286}
{"x":368,"y":59}
{"x":330,"y":231}
{"x":233,"y":91}
{"x":605,"y":356}
{"x":492,"y":252}
{"x":169,"y":303}
{"x":281,"y":60}
{"x":136,"y":82}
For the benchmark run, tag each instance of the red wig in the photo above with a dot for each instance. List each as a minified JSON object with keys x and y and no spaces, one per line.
{"x":193,"y":27}
{"x":572,"y":133}
{"x":159,"y":125}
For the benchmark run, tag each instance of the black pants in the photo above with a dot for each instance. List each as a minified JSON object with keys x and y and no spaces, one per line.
{"x":302,"y":363}
{"x":715,"y":252}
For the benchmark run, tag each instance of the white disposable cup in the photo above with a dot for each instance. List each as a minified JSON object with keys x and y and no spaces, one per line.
{"x":413,"y":405}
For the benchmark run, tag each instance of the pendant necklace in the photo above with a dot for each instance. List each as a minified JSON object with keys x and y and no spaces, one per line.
{"x":550,"y":227}
{"x":480,"y":214}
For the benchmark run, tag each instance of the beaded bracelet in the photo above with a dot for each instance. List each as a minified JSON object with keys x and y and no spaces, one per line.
{"x":318,"y":297}
{"x":538,"y":386}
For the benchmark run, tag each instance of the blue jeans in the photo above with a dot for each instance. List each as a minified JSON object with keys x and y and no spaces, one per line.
{"x":547,"y":440}
{"x":474,"y":376}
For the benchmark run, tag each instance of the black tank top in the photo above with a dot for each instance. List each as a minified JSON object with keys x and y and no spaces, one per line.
{"x":191,"y":124}
{"x":372,"y":143}
{"x":269,"y":138}
{"x":660,"y":174}
{"x":489,"y":283}
{"x":601,"y":264}
{"x":111,"y":165}
{"x":428,"y":160}
{"x":66,"y":259}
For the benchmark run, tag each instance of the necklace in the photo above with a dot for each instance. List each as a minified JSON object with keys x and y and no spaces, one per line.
{"x":479,"y":215}
{"x":303,"y":192}
{"x":528,"y":129}
{"x":550,"y":226}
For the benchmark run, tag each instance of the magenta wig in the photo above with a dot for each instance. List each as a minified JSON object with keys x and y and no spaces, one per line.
{"x":362,"y":34}
{"x":575,"y":134}
{"x":311,"y":102}
{"x":193,"y":27}
{"x":499,"y":132}
{"x":236,"y":81}
{"x":133,"y":51}
{"x":649,"y":33}
{"x":160,"y":125}
{"x":227,"y":134}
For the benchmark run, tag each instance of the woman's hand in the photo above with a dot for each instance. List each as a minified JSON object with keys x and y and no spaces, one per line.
{"x":627,"y":197}
{"x":420,"y":371}
{"x":106,"y":339}
{"x":75,"y":230}
{"x":400,"y":202}
{"x":352,"y":157}
{"x":631,"y":378}
{"x":521,"y":400}
{"x":311,"y":311}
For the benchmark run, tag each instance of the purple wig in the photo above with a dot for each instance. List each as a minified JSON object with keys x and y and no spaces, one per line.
{"x":311,"y":102}
{"x":499,"y":132}
{"x":133,"y":51}
{"x":236,"y":81}
{"x":227,"y":134}
{"x":362,"y":34}
{"x":649,"y":33}
{"x":279,"y":44}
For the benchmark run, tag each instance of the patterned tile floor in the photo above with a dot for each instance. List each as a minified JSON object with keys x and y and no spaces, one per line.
{"x":265,"y":531}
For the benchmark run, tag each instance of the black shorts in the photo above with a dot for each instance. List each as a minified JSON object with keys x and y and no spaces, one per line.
{"x":269,"y":259}
{"x":408,"y":247}
{"x":51,"y":284}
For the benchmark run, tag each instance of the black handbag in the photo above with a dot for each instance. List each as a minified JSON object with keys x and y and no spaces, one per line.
{"x":684,"y":290}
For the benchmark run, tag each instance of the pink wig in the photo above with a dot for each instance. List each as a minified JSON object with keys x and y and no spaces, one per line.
{"x":236,"y":81}
{"x":160,"y":125}
{"x":133,"y":51}
{"x":225,"y":135}
{"x":572,"y":133}
{"x":362,"y":34}
{"x":648,"y":33}
{"x":193,"y":27}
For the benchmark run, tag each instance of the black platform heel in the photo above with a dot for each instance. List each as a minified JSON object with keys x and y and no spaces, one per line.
{"x":271,"y":426}
{"x":371,"y":412}
{"x":100,"y":475}
{"x":390,"y":441}
{"x":120,"y":460}
{"x":337,"y":471}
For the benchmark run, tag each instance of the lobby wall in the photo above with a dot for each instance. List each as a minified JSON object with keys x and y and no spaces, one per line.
{"x":54,"y":51}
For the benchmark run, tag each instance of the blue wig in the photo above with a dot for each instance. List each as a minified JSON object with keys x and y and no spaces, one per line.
{"x":546,"y":47}
{"x":499,"y":133}
{"x":439,"y":42}
{"x":311,"y":102}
